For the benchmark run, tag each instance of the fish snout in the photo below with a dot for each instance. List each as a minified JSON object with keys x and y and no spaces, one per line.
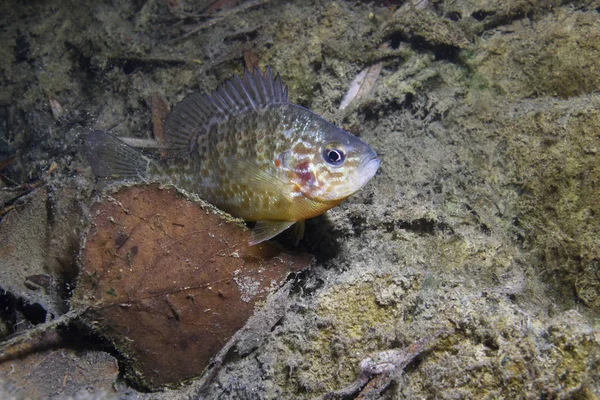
{"x":368,"y":166}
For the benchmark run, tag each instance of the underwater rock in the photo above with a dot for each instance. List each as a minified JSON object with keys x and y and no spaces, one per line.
{"x":169,"y":280}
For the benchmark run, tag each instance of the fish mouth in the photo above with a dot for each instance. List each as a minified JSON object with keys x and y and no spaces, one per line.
{"x":372,"y":165}
{"x":367,"y":169}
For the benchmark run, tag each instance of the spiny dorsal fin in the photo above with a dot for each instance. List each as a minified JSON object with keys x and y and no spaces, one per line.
{"x":197,"y":112}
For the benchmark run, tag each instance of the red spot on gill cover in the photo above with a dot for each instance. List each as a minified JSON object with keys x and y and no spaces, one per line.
{"x":305,"y":175}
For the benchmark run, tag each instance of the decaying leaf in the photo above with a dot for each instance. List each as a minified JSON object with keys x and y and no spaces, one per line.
{"x":169,"y":280}
{"x":362,"y":85}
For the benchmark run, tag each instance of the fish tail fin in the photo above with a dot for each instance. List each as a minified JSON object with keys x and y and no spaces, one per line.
{"x":111,"y":158}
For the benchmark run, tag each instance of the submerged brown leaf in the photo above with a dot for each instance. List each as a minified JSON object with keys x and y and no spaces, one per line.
{"x":169,"y":280}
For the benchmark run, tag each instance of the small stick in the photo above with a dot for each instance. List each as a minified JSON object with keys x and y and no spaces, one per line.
{"x":142,"y":143}
{"x":222,"y":15}
{"x":41,"y":337}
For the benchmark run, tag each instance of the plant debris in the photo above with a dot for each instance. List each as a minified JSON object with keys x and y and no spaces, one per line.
{"x":160,"y":109}
{"x":361,"y":85}
{"x":378,"y":371}
{"x":169,"y":281}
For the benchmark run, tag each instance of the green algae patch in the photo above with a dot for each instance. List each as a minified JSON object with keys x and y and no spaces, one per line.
{"x":426,"y":26}
{"x":348,"y":323}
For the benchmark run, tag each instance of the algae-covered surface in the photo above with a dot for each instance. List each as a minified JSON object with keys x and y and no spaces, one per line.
{"x":474,"y":253}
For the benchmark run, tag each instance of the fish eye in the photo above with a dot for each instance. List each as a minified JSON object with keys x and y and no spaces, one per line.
{"x":334,"y":155}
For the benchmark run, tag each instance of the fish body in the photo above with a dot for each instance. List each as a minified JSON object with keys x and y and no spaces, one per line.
{"x":251,"y":153}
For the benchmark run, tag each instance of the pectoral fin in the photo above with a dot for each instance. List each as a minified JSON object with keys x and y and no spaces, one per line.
{"x":265,"y":230}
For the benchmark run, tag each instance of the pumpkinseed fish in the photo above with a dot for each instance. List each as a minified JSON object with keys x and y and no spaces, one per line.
{"x":247,"y":150}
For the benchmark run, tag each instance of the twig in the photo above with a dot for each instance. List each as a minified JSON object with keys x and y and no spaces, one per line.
{"x":41,"y":337}
{"x":25,"y":189}
{"x":378,"y":371}
{"x":222,"y":15}
{"x":142,"y":143}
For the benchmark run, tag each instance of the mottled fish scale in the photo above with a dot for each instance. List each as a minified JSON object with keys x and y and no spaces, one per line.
{"x":248,"y":151}
{"x":256,"y":136}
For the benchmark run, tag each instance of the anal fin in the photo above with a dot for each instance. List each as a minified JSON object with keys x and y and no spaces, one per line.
{"x":298,"y":232}
{"x":265,"y":230}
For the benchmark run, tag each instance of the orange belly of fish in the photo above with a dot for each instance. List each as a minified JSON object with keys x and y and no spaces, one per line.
{"x":299,"y":209}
